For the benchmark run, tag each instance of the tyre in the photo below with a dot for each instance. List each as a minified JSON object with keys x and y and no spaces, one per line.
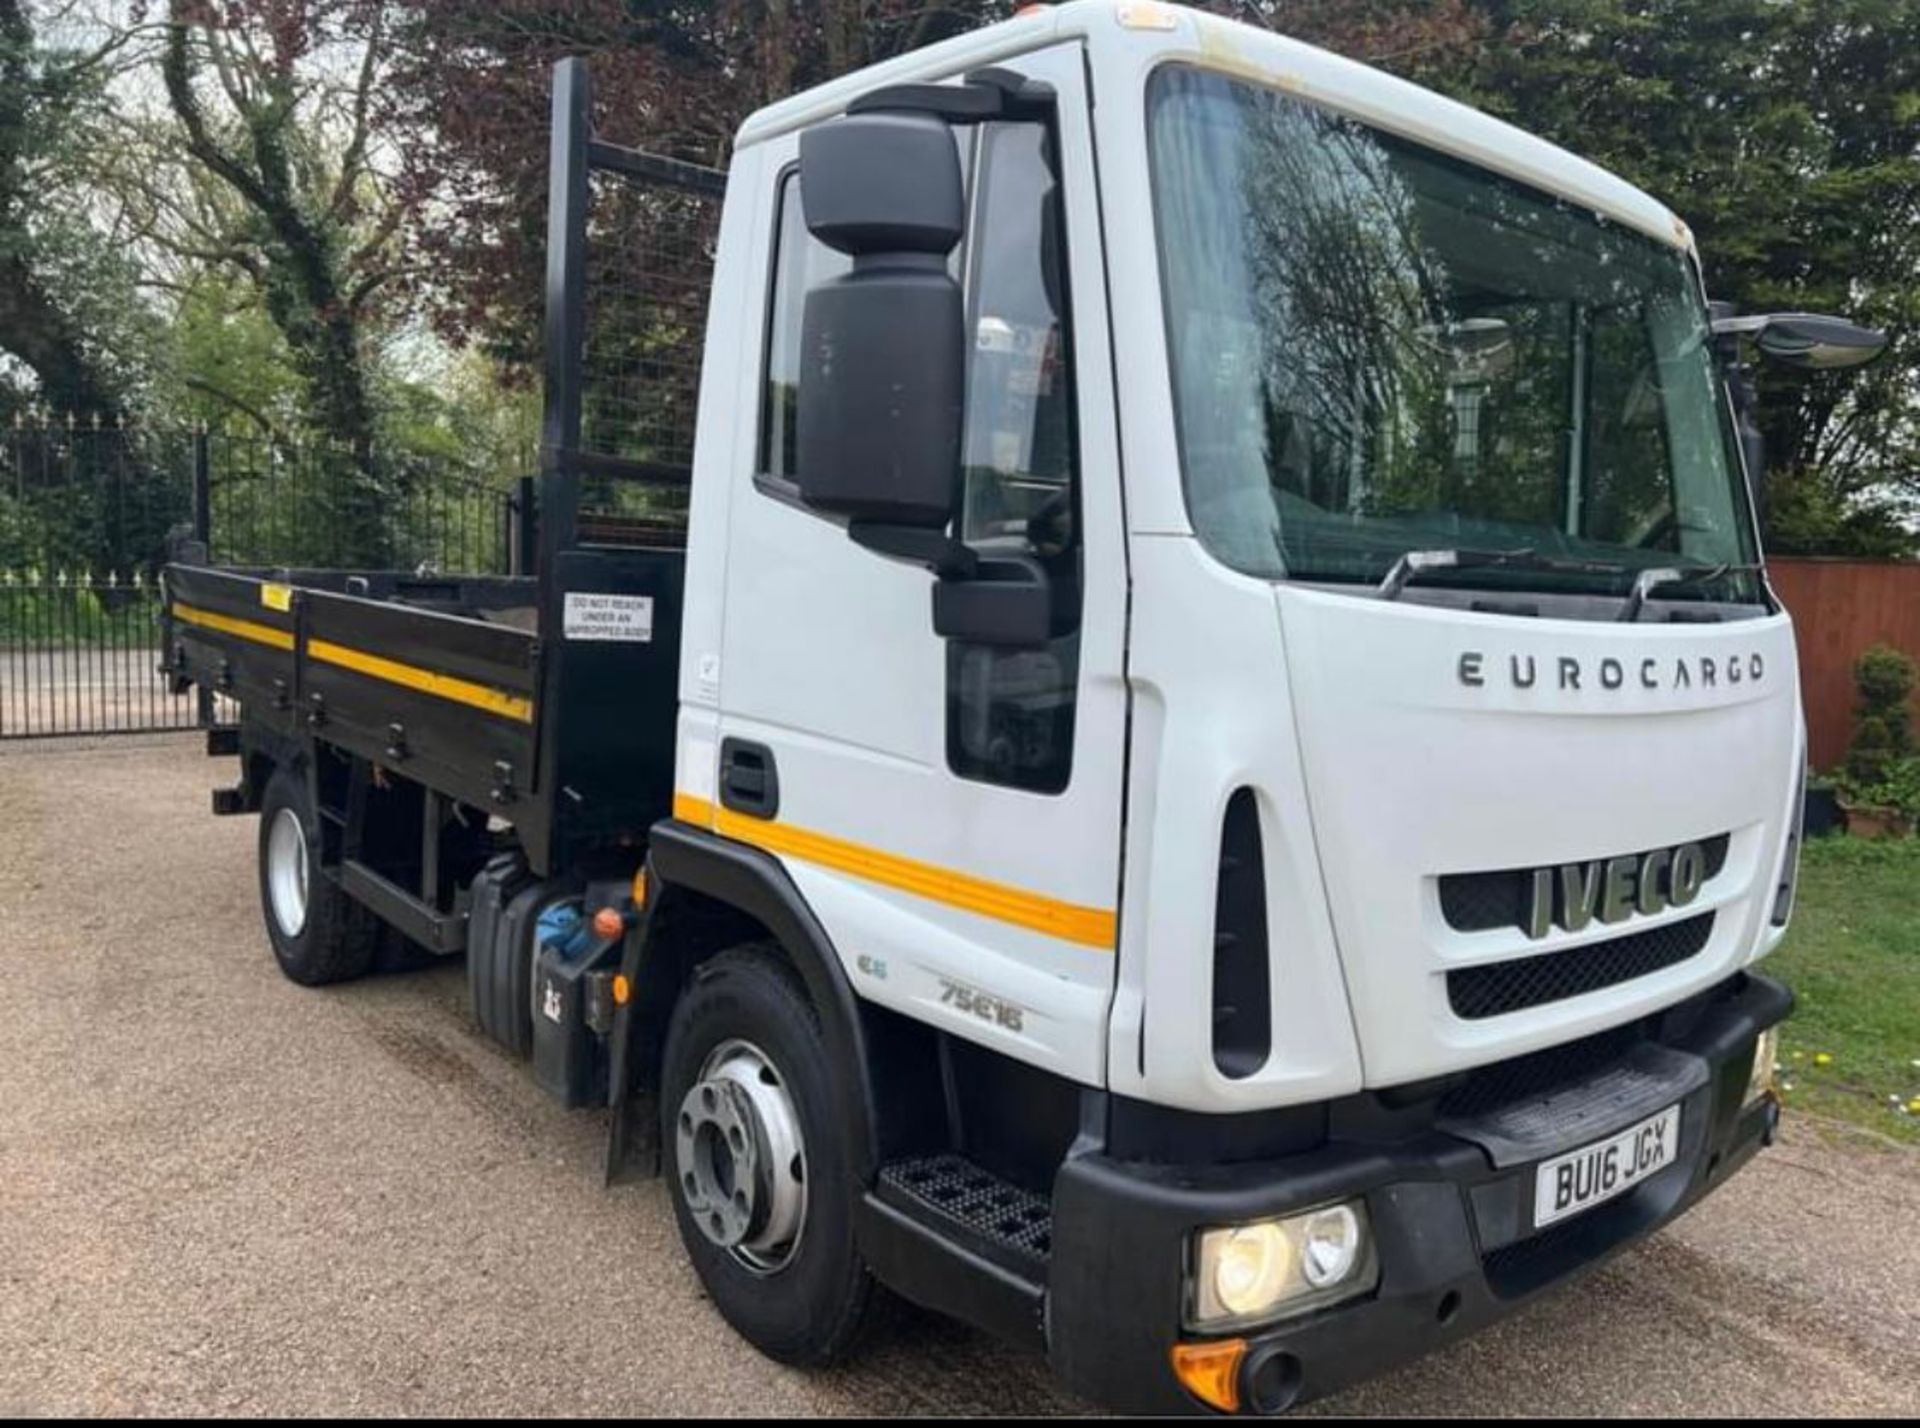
{"x":319,"y":934}
{"x":761,"y":1184}
{"x":394,"y":951}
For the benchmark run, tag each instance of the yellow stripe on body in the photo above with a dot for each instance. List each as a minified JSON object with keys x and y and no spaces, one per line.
{"x":1085,"y":926}
{"x":441,"y":686}
{"x":227,"y":625}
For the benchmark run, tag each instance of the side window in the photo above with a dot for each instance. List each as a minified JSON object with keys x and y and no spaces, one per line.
{"x":1018,"y":446}
{"x":1010,"y":712}
{"x":800,"y":262}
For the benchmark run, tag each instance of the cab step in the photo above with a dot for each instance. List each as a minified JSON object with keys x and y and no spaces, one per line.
{"x":956,"y":1195}
{"x":952,"y":1236}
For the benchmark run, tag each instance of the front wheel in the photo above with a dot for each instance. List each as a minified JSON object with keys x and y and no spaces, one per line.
{"x":762,"y":1190}
{"x":319,"y":934}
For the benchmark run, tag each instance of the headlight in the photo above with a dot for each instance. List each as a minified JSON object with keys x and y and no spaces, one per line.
{"x":1247,"y":1274}
{"x":1766,"y":1051}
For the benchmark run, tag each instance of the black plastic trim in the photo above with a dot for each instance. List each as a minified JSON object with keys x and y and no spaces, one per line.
{"x":918,"y":1263}
{"x":1121,"y":1230}
{"x":1491,"y":989}
{"x":1501,"y":897}
{"x":1242,"y":986}
{"x":988,"y":96}
{"x":749,"y":778}
{"x":1004,"y":602}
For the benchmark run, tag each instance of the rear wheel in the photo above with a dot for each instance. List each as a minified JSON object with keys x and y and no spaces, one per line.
{"x":762,"y":1188}
{"x":319,"y":934}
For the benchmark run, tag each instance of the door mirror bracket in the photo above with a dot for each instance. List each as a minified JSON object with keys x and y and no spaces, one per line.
{"x":939,"y":552}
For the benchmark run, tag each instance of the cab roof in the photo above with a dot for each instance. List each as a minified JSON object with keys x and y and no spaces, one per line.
{"x":1127,"y":39}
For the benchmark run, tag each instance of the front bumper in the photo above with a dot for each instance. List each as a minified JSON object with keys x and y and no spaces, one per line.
{"x":1452,"y":1231}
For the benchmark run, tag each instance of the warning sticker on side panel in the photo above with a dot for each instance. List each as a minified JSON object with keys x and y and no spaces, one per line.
{"x":627,"y":618}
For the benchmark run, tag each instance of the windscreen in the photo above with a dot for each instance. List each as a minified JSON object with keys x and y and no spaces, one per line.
{"x":1377,"y":348}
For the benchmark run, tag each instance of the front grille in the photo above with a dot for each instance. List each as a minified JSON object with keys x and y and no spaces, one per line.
{"x":1497,"y":988}
{"x":1526,"y":1266}
{"x":1479,"y":902}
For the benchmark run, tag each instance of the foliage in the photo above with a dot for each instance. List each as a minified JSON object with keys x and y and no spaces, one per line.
{"x":55,"y":615}
{"x":468,"y":100}
{"x":272,"y":103}
{"x":90,"y":500}
{"x":68,"y":326}
{"x":1883,"y":724}
{"x":226,"y":361}
{"x":1898,"y":788}
{"x":1808,"y":512}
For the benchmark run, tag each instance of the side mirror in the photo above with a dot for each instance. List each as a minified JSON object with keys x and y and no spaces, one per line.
{"x":884,"y":345}
{"x":1805,"y":340}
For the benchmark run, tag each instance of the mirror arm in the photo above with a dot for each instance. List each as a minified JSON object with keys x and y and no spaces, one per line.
{"x":936,"y":550}
{"x":987,"y":96}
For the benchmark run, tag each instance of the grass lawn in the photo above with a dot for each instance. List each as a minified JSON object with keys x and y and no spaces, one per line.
{"x":1853,"y":958}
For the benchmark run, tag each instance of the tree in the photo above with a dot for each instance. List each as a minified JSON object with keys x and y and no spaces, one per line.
{"x":468,"y":104}
{"x":273,"y":100}
{"x":50,"y":265}
{"x":1388,"y":34}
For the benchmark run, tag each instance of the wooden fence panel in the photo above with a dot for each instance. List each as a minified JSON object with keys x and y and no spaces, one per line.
{"x":1839,"y":608}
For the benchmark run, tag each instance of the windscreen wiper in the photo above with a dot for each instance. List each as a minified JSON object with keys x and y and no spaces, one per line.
{"x":1415,"y":563}
{"x":1657,"y":577}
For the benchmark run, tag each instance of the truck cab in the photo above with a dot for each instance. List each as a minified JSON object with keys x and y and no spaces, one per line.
{"x":1232,"y":756}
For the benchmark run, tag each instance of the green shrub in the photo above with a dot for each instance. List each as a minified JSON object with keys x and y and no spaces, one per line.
{"x":1899,"y":787}
{"x":1883,"y":724}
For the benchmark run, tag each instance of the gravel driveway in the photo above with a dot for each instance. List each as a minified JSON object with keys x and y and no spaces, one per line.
{"x":220,"y":1193}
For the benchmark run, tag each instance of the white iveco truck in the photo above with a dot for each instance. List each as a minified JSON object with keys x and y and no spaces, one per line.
{"x":1205,"y":775}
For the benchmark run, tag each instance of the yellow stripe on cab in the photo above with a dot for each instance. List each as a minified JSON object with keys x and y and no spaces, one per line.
{"x":1083,"y":926}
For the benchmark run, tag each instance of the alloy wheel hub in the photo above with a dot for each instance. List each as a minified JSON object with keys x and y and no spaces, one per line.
{"x":287,"y":872}
{"x":741,"y":1158}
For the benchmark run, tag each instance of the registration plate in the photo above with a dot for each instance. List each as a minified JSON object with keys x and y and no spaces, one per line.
{"x":1583,"y":1178}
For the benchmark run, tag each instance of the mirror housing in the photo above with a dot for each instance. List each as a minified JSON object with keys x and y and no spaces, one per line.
{"x":1006,"y":602}
{"x":884,"y":346}
{"x":1806,"y":341}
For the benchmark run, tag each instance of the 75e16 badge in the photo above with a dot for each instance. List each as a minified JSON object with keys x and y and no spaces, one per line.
{"x":995,"y":1011}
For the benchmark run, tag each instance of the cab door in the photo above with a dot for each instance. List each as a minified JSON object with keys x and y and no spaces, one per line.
{"x":950,"y":812}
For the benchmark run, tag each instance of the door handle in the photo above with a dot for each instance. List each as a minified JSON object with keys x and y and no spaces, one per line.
{"x":749,"y":782}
